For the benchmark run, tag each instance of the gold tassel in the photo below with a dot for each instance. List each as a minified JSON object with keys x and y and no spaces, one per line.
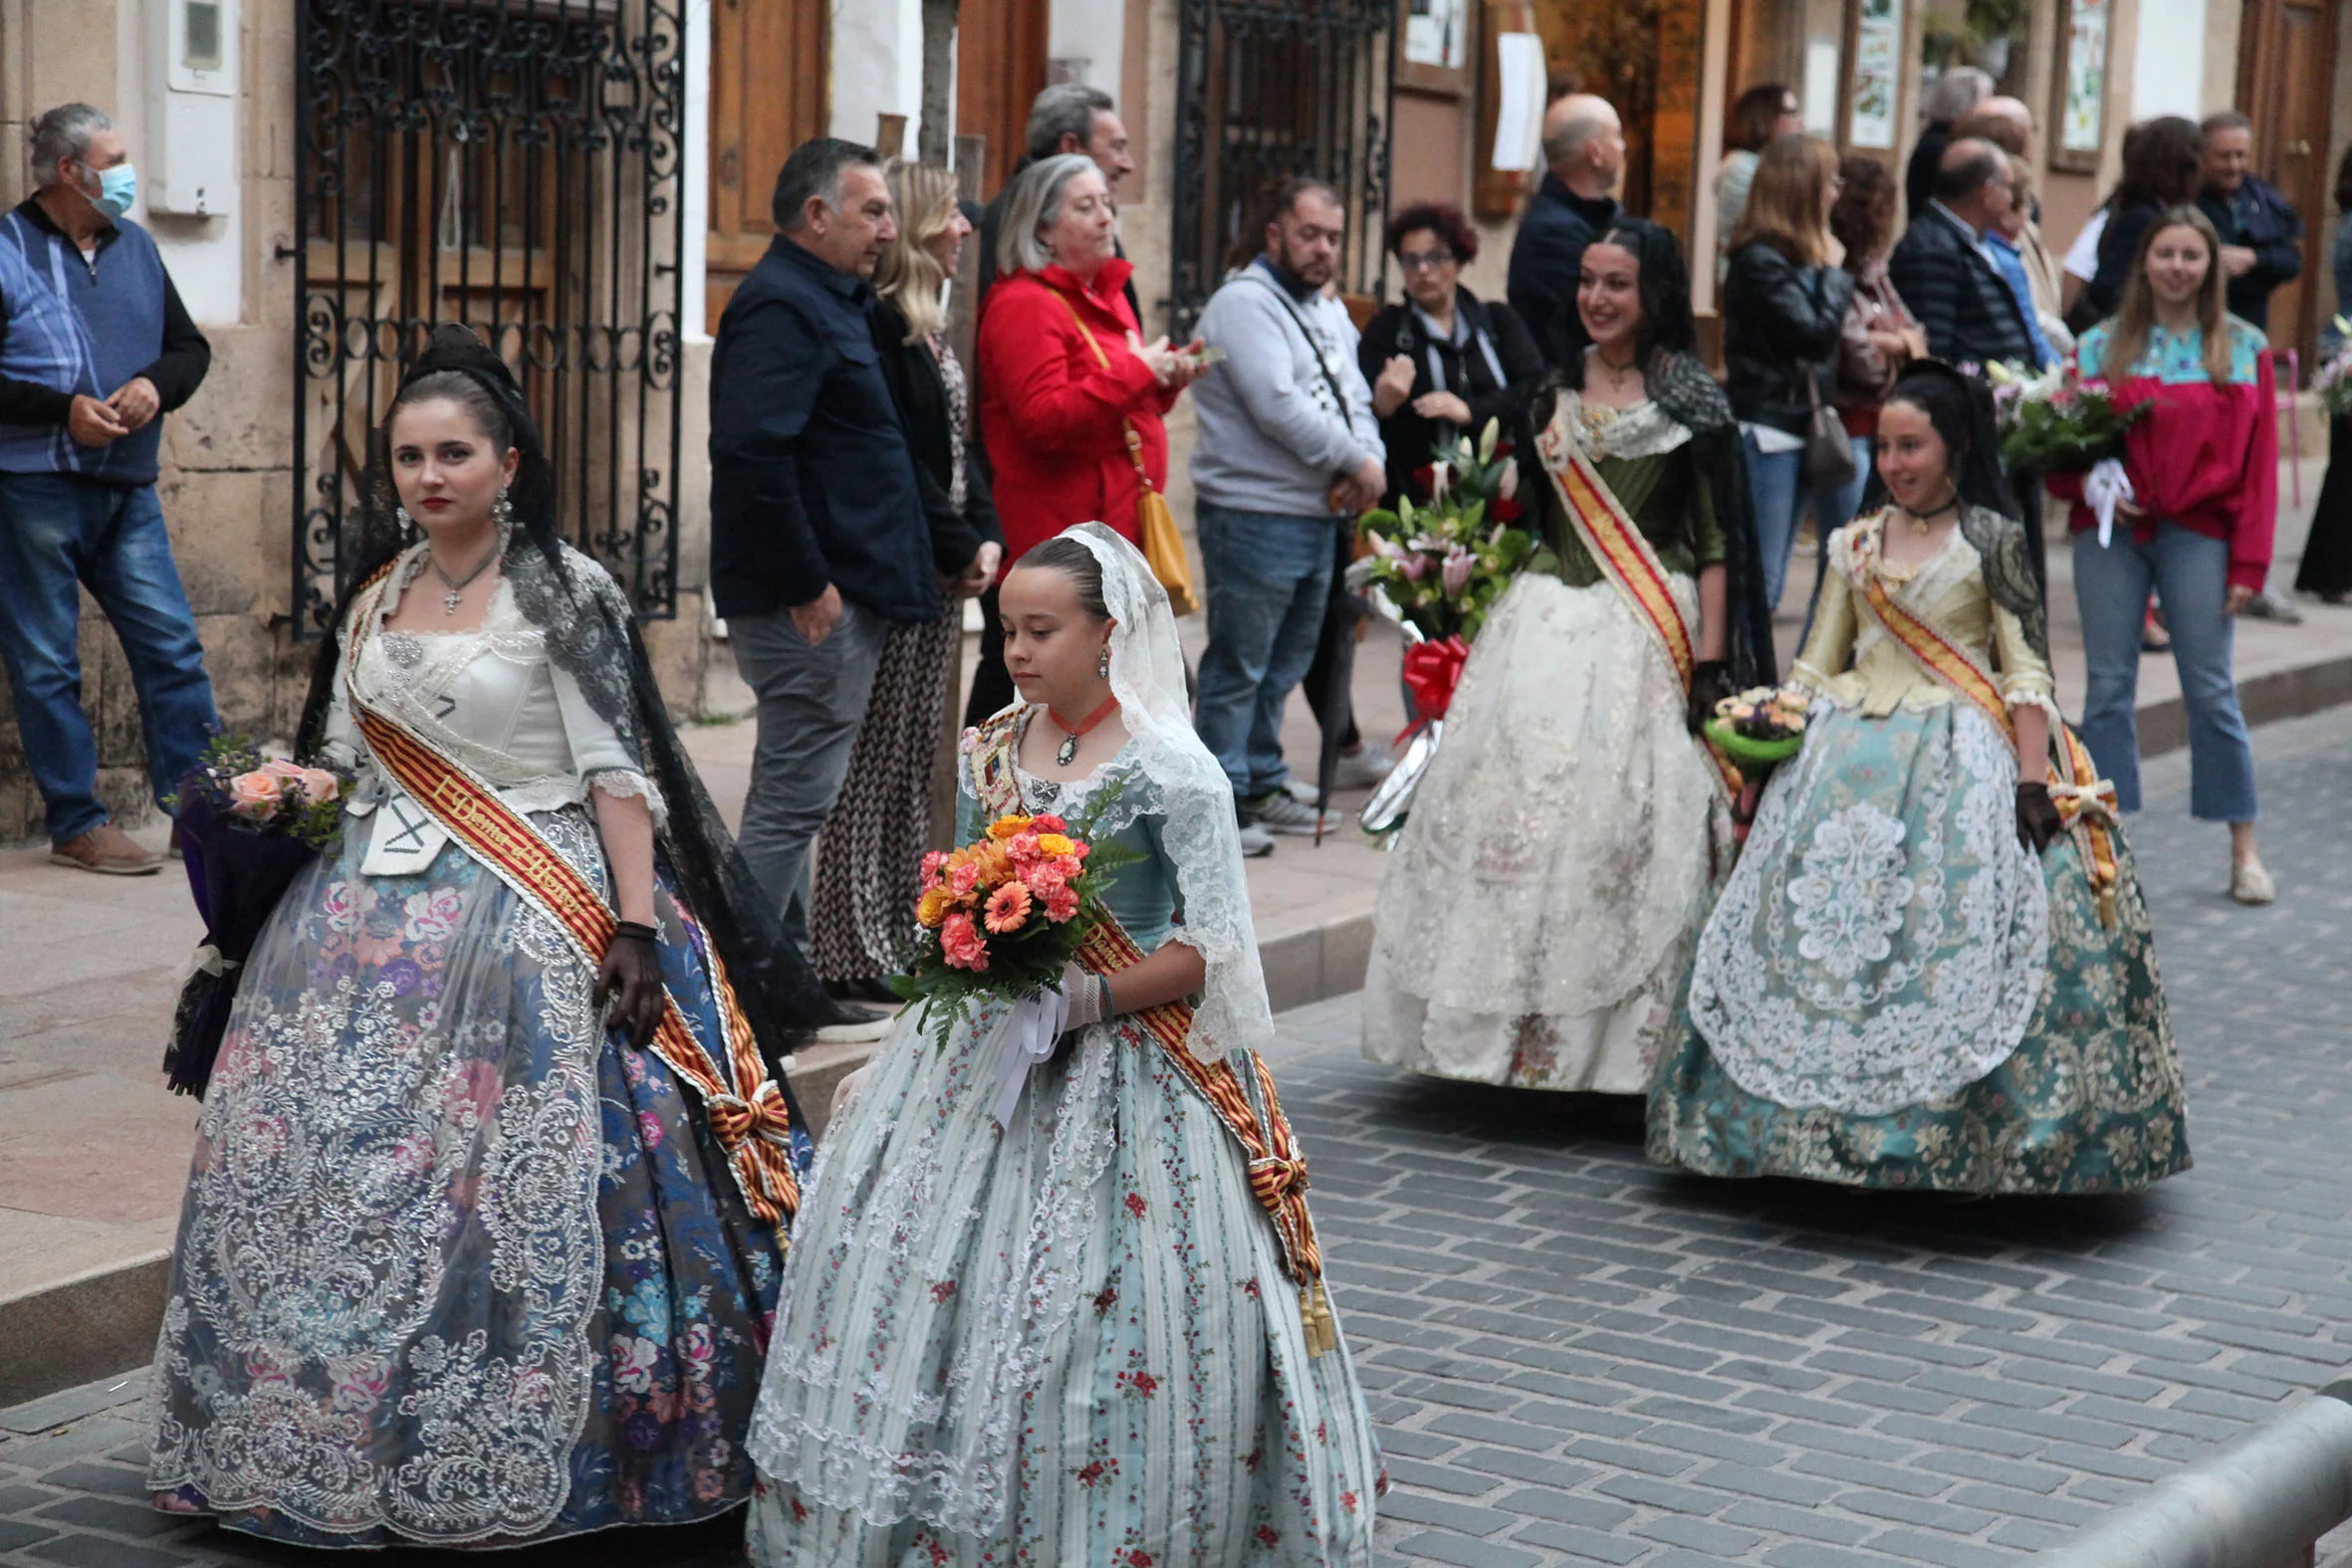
{"x":1314,"y":1310}
{"x":2107,"y":908}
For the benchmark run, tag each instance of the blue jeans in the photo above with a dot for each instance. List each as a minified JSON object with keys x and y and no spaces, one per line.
{"x":2191,"y":574}
{"x":1268,"y":577}
{"x":1832,"y":510}
{"x":55,"y":533}
{"x":1778,"y":485}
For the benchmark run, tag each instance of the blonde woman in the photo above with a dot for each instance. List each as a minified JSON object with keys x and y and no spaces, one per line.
{"x":1786,"y":295}
{"x":872,"y":844}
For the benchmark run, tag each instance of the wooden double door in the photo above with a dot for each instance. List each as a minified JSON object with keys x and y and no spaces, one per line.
{"x":2287,"y":67}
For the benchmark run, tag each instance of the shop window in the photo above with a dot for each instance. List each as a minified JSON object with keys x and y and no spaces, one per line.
{"x":1991,"y":35}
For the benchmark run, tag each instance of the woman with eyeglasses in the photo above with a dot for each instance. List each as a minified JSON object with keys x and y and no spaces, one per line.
{"x":1441,"y":362}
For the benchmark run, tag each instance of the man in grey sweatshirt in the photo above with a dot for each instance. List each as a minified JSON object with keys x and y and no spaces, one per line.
{"x":1287,"y":454}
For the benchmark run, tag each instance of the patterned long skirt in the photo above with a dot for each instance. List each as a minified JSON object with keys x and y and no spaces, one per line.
{"x":1070,"y":1341}
{"x":1874,"y":932}
{"x":869,"y":856}
{"x":456,"y":1266}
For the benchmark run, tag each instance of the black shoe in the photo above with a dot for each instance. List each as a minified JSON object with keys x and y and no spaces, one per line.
{"x":849,"y":1014}
{"x":869,"y":988}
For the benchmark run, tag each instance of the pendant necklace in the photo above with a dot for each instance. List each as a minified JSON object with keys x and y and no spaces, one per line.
{"x":1921,"y":522}
{"x":458,"y":586}
{"x":1068,"y":752}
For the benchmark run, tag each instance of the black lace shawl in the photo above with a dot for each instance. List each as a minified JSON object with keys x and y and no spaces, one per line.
{"x":592,"y":634}
{"x":1680,"y":386}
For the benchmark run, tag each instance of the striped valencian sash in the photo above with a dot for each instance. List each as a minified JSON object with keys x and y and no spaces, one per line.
{"x":2085,"y":802}
{"x":746,"y":1109}
{"x":1627,"y":559}
{"x":1276,"y":1166}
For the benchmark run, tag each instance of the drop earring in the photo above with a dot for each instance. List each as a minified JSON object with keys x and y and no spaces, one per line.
{"x":502,"y":512}
{"x":407,"y":523}
{"x":1103,"y":665}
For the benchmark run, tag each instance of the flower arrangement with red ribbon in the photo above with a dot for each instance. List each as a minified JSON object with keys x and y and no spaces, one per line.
{"x":1443,"y":565}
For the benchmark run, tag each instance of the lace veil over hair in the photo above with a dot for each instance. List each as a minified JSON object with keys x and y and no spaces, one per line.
{"x":1184,"y":784}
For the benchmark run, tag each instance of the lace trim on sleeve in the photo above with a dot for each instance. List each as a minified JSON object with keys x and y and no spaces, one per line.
{"x":629,"y":781}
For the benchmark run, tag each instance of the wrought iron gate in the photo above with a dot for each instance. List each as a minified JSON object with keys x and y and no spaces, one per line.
{"x":1266,"y":89}
{"x":515,"y":165}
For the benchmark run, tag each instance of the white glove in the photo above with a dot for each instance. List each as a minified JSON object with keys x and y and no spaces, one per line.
{"x":1088,"y":993}
{"x":847,"y":1090}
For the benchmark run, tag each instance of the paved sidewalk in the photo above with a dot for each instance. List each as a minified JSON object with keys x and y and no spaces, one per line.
{"x":1575,"y":1359}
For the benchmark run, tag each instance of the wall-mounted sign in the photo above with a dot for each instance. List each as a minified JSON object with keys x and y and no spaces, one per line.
{"x":1878,"y":75}
{"x":2081,"y":85}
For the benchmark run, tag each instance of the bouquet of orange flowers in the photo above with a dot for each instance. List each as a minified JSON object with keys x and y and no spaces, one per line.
{"x":1001,"y":916}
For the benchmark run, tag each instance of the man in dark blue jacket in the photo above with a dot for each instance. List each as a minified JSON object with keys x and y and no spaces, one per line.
{"x":2261,"y":235}
{"x":94,"y":348}
{"x":1942,"y":272}
{"x":819,"y":539}
{"x":1583,"y":155}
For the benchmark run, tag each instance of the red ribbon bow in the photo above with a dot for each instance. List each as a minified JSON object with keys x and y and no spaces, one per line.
{"x":1432,"y":671}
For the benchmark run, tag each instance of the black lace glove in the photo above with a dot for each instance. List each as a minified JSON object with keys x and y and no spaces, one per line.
{"x":2038,"y":816}
{"x":631,"y":976}
{"x":1711,"y":683}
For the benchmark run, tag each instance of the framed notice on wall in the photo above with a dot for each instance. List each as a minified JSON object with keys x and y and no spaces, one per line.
{"x":1878,"y":75}
{"x":2081,"y":85}
{"x":1434,"y":45}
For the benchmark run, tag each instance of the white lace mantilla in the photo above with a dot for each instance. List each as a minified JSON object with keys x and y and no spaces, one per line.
{"x":1641,"y":430}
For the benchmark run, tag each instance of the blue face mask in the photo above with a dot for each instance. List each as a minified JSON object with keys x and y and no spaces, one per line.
{"x":118,"y":188}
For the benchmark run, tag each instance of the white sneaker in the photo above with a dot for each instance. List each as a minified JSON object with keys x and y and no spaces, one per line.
{"x":1257,"y":843}
{"x":1360,"y":770}
{"x":2249,"y":883}
{"x":1278,"y":811}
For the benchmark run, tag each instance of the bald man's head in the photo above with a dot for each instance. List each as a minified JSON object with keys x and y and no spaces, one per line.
{"x":1584,"y":143}
{"x":1972,"y":179}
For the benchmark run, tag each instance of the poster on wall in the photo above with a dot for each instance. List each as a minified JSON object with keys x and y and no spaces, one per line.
{"x":2082,"y":88}
{"x":1878,"y":74}
{"x":1436,"y":33}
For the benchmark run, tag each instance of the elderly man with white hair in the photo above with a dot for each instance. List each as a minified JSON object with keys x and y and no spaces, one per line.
{"x":1955,"y":93}
{"x":1584,"y":157}
{"x":94,"y":348}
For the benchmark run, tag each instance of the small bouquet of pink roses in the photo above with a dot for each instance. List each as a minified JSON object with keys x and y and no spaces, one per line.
{"x":248,"y":823}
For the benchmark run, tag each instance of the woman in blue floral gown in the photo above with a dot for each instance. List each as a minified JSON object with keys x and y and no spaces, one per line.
{"x":1911,"y":979}
{"x":461,"y":1263}
{"x":1073,"y":1313}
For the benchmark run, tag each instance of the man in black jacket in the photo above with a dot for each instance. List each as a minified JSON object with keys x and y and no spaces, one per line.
{"x":1941,"y":269}
{"x":1583,"y":155}
{"x":2261,"y":233}
{"x":818,"y":540}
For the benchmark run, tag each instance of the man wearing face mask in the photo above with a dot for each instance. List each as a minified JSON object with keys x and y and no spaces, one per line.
{"x":94,"y":348}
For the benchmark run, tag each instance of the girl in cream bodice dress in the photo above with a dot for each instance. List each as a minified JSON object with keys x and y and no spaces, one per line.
{"x":1909,"y":980}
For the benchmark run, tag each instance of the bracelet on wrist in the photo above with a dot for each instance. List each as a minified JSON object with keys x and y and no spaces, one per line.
{"x":635,"y":931}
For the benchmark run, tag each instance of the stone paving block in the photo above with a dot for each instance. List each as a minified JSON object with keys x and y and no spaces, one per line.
{"x":1625,"y":1457}
{"x":91,"y":1551}
{"x":1466,"y":1552}
{"x":1773,"y":1486}
{"x":1559,"y":1474}
{"x":1939,"y":1549}
{"x":1910,"y":1508}
{"x":1805,"y":1554}
{"x":2024,"y":1505}
{"x":2015,"y":1473}
{"x":1583,"y":1545}
{"x":1713,"y":1444}
{"x":136,"y":1520}
{"x":1701,"y":1535}
{"x":1778,"y":1521}
{"x":1541,"y":1502}
{"x":1669,"y":1496}
{"x":1436,"y":1477}
{"x":15,"y":1534}
{"x":1413,"y":1507}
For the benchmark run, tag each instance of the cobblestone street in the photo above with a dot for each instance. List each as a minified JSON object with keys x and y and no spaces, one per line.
{"x":1578,"y":1359}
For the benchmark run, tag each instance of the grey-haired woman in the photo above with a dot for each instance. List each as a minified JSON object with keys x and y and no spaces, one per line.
{"x":1064,"y":376}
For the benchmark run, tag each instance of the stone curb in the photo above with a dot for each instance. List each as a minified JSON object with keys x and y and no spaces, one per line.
{"x":86,"y":1328}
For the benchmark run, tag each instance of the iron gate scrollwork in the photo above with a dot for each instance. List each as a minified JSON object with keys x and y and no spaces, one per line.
{"x":515,"y":165}
{"x":1266,"y":89}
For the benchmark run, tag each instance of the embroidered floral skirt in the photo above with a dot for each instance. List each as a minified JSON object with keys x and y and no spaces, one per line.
{"x":454,"y":1264}
{"x":1072,"y":1341}
{"x":1878,"y":933}
{"x":1536,"y":919}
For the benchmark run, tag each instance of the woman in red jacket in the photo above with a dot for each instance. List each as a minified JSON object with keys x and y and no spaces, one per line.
{"x":2204,"y":471}
{"x":1064,"y":378}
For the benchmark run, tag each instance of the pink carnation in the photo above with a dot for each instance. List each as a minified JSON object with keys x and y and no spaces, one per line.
{"x":1048,"y":824}
{"x":1061,"y":905}
{"x":964,"y":880}
{"x":931,"y":864}
{"x":962,"y":942}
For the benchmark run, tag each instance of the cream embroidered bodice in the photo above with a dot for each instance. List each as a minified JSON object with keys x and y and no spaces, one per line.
{"x":1850,"y":659}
